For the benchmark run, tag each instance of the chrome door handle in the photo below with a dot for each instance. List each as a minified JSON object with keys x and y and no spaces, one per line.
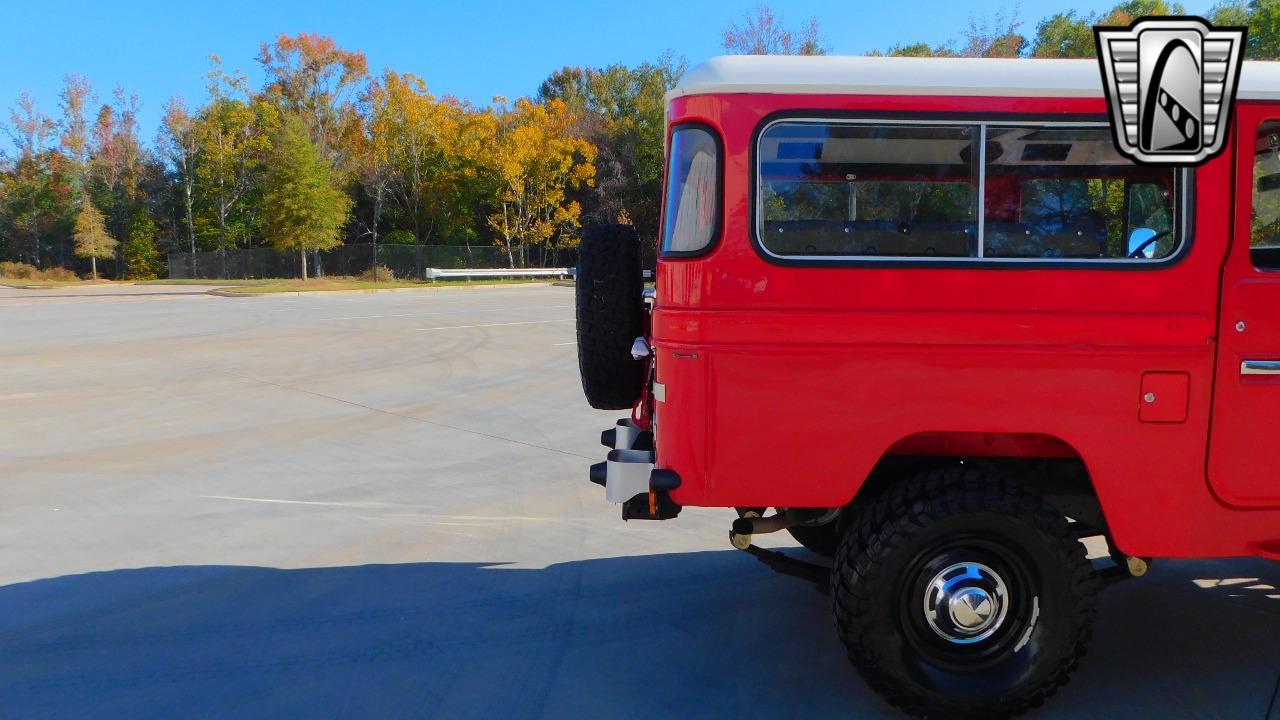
{"x":1260,"y":367}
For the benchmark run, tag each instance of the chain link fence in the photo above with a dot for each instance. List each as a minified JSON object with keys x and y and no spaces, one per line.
{"x":405,"y":261}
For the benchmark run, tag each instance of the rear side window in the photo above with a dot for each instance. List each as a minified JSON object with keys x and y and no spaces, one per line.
{"x":1149,"y":207}
{"x":1060,"y":192}
{"x":835,"y":189}
{"x":1264,"y":240}
{"x":692,"y":208}
{"x":856,"y":190}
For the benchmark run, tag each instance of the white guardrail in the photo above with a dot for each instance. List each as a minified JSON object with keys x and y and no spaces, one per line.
{"x":440,"y":273}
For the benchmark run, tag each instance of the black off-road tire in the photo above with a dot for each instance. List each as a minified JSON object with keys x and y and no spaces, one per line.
{"x":818,"y":539}
{"x":610,"y":311}
{"x":880,"y":590}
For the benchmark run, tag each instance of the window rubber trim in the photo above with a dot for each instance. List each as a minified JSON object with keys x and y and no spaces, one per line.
{"x":1184,"y":208}
{"x":718,"y":232}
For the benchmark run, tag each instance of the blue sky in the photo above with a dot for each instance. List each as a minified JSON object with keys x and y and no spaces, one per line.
{"x":473,"y":50}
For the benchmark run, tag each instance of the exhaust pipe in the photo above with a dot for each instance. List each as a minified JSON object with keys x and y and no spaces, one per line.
{"x":752,"y":524}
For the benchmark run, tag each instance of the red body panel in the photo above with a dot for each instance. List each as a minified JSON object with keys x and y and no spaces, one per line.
{"x":785,"y":385}
{"x":1244,"y":457}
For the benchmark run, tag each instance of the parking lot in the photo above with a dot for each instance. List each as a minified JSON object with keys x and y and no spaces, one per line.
{"x":376,"y":505}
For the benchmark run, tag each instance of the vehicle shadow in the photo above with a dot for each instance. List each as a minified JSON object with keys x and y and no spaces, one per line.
{"x":707,"y":634}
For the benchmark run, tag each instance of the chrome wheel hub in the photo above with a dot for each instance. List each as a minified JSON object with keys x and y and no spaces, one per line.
{"x":966,"y":603}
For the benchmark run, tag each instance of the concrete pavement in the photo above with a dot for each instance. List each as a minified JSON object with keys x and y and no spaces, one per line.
{"x":376,"y":505}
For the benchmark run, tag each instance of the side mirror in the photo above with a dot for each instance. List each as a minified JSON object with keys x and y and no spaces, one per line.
{"x":1136,"y":240}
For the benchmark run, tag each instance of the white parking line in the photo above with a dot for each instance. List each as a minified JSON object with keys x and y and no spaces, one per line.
{"x":447,"y":312}
{"x":279,"y":501}
{"x":485,"y":325}
{"x":439,"y":517}
{"x":571,"y":342}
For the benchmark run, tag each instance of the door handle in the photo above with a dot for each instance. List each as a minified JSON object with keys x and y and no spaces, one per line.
{"x":1260,"y":367}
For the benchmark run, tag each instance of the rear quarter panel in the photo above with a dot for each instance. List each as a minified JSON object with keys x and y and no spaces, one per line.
{"x":806,"y":376}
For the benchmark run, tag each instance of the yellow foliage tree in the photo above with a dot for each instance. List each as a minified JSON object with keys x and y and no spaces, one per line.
{"x":536,"y":160}
{"x":428,"y":151}
{"x":92,"y":239}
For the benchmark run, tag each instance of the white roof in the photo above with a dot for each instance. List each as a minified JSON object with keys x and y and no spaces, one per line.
{"x":846,"y":75}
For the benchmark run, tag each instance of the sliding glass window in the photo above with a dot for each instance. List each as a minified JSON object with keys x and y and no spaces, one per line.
{"x":835,"y":189}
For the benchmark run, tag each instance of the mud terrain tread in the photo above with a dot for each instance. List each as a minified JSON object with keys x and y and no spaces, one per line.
{"x":610,"y":316}
{"x":864,"y":561}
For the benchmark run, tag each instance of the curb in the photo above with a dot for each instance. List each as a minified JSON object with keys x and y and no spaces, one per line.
{"x":296,"y":293}
{"x":14,"y":286}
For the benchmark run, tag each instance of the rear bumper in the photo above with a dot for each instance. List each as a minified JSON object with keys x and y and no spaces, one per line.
{"x":630,"y":475}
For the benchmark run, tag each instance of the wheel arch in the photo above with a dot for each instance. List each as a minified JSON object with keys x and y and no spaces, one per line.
{"x":1045,"y":463}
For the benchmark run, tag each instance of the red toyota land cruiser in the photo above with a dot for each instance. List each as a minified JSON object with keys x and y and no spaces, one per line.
{"x":927,"y":313}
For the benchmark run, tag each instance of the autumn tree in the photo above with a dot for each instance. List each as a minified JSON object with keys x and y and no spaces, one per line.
{"x":1069,"y":34}
{"x":536,"y":161}
{"x":372,"y":159}
{"x":303,"y":208}
{"x":764,"y":31}
{"x":91,"y":236}
{"x":406,"y":123}
{"x":1066,"y":34}
{"x":422,"y":157}
{"x":29,"y":128}
{"x":75,"y":98}
{"x":1125,"y":13}
{"x":29,"y":189}
{"x":919,"y":49}
{"x":620,"y":110}
{"x":993,"y":37}
{"x":1263,"y":20}
{"x":116,"y":162}
{"x":310,"y":76}
{"x":1231,"y":12}
{"x":570,"y":85}
{"x":1266,"y":29}
{"x":141,"y":257}
{"x":6,"y":174}
{"x":1063,"y":35}
{"x":117,"y":152}
{"x":233,"y":139}
{"x":432,"y":149}
{"x":179,"y":142}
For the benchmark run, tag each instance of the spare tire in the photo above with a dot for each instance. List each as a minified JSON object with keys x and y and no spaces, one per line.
{"x":610,"y":309}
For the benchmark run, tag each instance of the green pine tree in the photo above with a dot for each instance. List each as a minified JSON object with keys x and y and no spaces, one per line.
{"x":141,"y":257}
{"x":303,"y":208}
